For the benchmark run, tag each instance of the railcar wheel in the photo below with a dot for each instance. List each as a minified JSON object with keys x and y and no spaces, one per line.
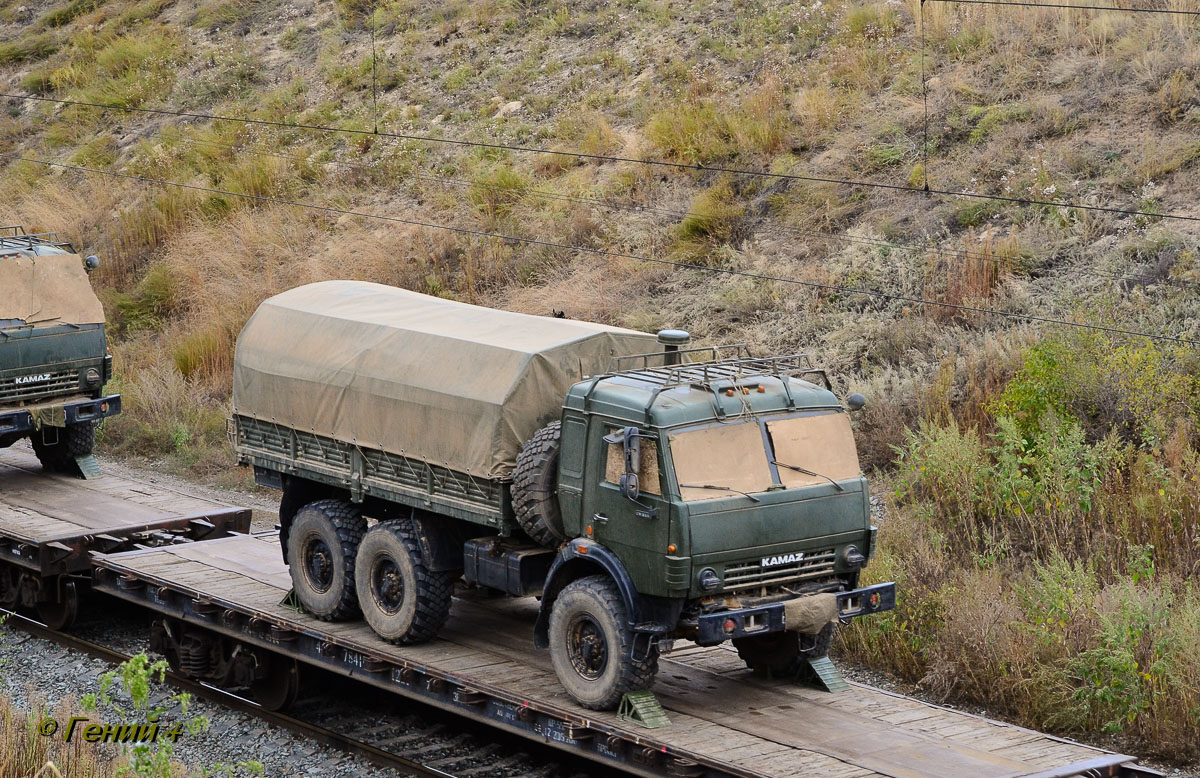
{"x":400,"y":597}
{"x":590,"y":642}
{"x":784,"y":654}
{"x":279,"y":687}
{"x":322,"y":544}
{"x":10,"y":586}
{"x":61,"y":613}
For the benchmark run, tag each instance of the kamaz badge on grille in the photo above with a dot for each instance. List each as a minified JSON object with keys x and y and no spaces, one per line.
{"x":31,"y":379}
{"x":782,"y":559}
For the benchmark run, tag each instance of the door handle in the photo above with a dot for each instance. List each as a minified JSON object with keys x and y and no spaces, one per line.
{"x":600,"y":518}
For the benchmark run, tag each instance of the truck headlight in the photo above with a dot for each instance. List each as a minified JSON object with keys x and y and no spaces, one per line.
{"x":853,"y":558}
{"x":92,"y":377}
{"x":709,"y":580}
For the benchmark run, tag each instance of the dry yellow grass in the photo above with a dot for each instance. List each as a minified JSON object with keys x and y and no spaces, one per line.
{"x":25,"y":753}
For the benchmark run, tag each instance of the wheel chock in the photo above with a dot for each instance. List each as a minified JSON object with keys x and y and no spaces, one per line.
{"x":291,"y":601}
{"x":89,"y":468}
{"x":644,"y":709}
{"x":823,"y":674}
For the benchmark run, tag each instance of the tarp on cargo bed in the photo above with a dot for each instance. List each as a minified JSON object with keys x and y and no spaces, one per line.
{"x":445,"y":382}
{"x":48,"y":289}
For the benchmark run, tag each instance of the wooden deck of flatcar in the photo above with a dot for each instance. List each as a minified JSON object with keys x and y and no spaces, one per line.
{"x":50,"y":523}
{"x":723,"y":720}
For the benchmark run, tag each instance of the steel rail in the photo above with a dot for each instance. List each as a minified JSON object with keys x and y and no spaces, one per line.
{"x":327,"y":737}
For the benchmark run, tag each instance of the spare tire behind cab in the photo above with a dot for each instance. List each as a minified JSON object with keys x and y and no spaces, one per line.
{"x":535,"y":488}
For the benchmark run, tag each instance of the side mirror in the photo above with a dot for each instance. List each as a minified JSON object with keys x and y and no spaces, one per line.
{"x":631,"y":446}
{"x":856,"y":401}
{"x":91,"y":262}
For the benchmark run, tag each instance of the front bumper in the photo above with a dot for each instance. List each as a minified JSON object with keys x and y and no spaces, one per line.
{"x":21,"y":420}
{"x":718,"y":627}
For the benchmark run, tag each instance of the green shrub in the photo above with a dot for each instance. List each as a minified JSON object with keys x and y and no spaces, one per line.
{"x":154,"y":298}
{"x":496,"y":191}
{"x":60,"y":17}
{"x":27,"y":48}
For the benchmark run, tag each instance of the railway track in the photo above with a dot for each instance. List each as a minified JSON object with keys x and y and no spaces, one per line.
{"x":408,"y":745}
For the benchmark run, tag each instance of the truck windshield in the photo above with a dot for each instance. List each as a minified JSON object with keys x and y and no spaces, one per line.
{"x":814,"y":449}
{"x":715,"y":462}
{"x":727,"y":459}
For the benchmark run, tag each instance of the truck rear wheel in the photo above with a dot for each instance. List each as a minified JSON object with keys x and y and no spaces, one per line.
{"x":323,"y":541}
{"x":402,"y":600}
{"x":590,"y":643}
{"x":535,"y":488}
{"x":67,"y":443}
{"x":784,"y":654}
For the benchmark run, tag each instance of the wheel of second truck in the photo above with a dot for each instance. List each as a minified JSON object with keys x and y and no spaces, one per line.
{"x":280,"y":685}
{"x":535,"y":488}
{"x":400,"y":597}
{"x":590,"y":641}
{"x":784,"y":654}
{"x":323,"y":541}
{"x":71,"y":442}
{"x":60,"y":613}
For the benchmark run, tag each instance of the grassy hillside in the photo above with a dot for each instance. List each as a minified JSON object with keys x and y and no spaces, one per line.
{"x":1042,"y":482}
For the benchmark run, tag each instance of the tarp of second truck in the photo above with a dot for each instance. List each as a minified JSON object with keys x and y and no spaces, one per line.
{"x":441,"y":381}
{"x":46,"y":289}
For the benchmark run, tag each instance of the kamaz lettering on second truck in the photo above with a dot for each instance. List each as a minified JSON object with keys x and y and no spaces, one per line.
{"x":645,"y":491}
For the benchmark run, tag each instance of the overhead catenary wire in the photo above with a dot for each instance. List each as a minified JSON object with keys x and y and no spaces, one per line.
{"x":612,"y":158}
{"x":613,"y":254}
{"x":1073,"y":7}
{"x":941,"y":251}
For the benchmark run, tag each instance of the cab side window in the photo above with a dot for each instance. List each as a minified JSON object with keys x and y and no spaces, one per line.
{"x":649,"y":480}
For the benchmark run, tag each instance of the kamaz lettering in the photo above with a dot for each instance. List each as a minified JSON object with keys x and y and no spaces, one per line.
{"x":31,"y":379}
{"x":782,"y":559}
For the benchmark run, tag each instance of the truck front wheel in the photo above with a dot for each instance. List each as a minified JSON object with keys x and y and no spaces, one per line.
{"x":402,"y":600}
{"x":590,"y":643}
{"x":323,"y":541}
{"x":784,"y":654}
{"x":66,"y":444}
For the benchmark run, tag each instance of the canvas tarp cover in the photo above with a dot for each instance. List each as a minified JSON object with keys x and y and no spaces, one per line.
{"x":445,"y":382}
{"x":50,"y":288}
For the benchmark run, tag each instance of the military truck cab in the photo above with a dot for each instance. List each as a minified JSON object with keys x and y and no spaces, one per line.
{"x":723,"y":496}
{"x":645,"y":492}
{"x":54,"y":359}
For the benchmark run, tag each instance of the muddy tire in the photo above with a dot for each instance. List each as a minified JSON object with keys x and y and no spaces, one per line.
{"x":402,"y":600}
{"x":590,"y":641}
{"x":322,"y":545}
{"x":75,"y":440}
{"x":784,"y":654}
{"x":535,"y":488}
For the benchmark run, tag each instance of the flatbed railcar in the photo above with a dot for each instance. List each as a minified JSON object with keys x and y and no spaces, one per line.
{"x":723,"y":720}
{"x":51,"y":525}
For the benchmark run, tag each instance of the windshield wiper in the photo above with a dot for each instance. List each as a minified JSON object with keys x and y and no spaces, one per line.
{"x":836,"y":485}
{"x":749,"y":497}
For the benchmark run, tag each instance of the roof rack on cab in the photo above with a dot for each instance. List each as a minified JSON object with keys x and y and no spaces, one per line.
{"x":15,"y":237}
{"x":730,"y":364}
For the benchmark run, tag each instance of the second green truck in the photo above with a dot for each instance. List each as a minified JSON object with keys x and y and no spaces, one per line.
{"x":645,"y":491}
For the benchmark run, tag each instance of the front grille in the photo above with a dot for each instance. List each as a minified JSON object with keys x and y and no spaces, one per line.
{"x":58,"y":382}
{"x":750,"y":575}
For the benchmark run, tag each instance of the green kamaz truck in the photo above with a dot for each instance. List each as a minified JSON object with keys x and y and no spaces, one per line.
{"x":645,"y":491}
{"x":54,"y":359}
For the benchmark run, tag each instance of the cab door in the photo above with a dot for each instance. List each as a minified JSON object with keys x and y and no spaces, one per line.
{"x":638,"y":533}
